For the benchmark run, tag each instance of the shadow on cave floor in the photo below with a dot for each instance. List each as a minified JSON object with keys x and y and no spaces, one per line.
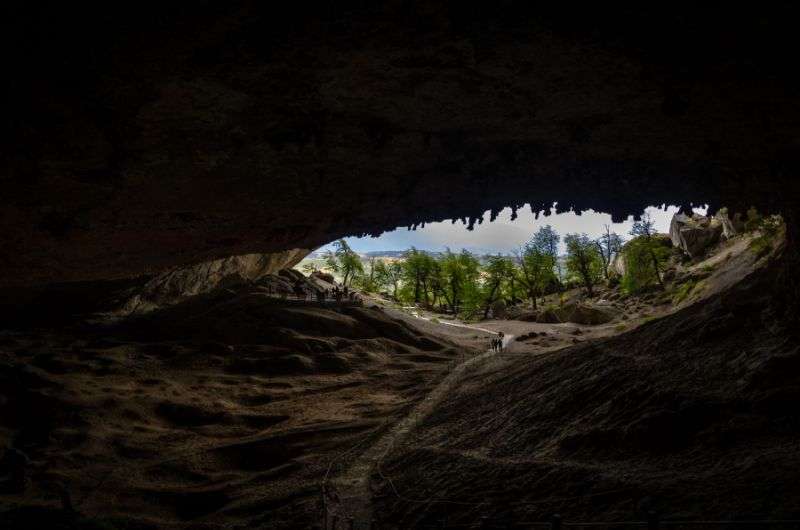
{"x":226,"y":408}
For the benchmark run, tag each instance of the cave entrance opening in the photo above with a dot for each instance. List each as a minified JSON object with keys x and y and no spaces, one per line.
{"x":517,"y":262}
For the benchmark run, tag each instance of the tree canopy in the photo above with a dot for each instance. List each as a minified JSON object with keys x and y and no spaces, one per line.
{"x":344,"y":260}
{"x":584,"y":263}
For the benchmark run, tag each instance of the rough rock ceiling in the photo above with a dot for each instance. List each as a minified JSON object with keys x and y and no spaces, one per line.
{"x":147,"y":137}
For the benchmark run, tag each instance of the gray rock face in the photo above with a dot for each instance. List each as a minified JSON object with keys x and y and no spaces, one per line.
{"x":728,"y":227}
{"x":694,"y":234}
{"x":173,"y":286}
{"x":617,"y":266}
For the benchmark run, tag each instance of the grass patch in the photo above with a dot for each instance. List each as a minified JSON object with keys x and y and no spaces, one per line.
{"x":771,"y":229}
{"x":761,"y":246}
{"x":683,"y":292}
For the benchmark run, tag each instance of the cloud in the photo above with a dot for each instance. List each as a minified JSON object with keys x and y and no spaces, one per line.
{"x":504,"y":235}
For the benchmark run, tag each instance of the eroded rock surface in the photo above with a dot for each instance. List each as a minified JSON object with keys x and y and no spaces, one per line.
{"x":694,"y":234}
{"x":138,"y":139}
{"x":179,"y":284}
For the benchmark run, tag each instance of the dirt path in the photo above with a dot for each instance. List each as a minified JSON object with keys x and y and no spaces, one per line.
{"x":353,"y":495}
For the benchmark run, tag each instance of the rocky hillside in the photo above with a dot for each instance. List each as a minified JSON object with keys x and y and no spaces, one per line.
{"x":706,"y":256}
{"x":692,"y":415}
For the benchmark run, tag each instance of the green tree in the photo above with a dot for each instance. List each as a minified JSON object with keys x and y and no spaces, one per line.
{"x":344,"y":261}
{"x":418,"y":269}
{"x":546,"y":240}
{"x":609,"y":245}
{"x":498,"y":271}
{"x":639,"y":269}
{"x":647,"y":249}
{"x":456,"y":278}
{"x":388,"y":275}
{"x":367,"y":281}
{"x":535,"y":270}
{"x":583,"y":260}
{"x":394,"y":275}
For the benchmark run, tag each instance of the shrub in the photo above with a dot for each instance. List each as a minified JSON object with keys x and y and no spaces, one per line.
{"x":770,"y":228}
{"x":753,"y":221}
{"x":640,"y":269}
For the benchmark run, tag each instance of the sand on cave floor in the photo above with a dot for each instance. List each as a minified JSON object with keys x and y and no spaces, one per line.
{"x":226,"y":409}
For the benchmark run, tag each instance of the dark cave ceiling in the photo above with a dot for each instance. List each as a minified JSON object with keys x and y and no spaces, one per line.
{"x":143,"y":137}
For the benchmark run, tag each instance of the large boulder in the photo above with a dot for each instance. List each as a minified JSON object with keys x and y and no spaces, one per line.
{"x":588,"y":315}
{"x":323,"y":276}
{"x":499,"y":309}
{"x":693,"y":235}
{"x":528,"y":316}
{"x":616,"y":268}
{"x":728,"y":226}
{"x":591,"y":315}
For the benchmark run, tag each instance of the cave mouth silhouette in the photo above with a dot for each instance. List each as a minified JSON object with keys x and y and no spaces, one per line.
{"x":139,"y":140}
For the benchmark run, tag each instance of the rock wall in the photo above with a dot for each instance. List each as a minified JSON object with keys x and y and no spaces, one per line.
{"x":138,"y":140}
{"x":175,"y":285}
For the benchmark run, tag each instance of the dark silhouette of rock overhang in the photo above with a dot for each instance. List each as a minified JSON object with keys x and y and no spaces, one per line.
{"x":141,"y":137}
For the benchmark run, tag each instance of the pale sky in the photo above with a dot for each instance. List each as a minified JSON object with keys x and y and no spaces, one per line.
{"x":503,"y":235}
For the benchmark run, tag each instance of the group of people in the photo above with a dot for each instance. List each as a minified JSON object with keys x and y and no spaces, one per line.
{"x":338,"y":294}
{"x":497,"y":342}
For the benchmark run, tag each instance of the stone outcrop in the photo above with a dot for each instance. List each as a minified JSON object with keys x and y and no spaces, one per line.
{"x":693,"y":235}
{"x":616,"y":269}
{"x":176,"y":285}
{"x":578,"y":313}
{"x":729,"y":228}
